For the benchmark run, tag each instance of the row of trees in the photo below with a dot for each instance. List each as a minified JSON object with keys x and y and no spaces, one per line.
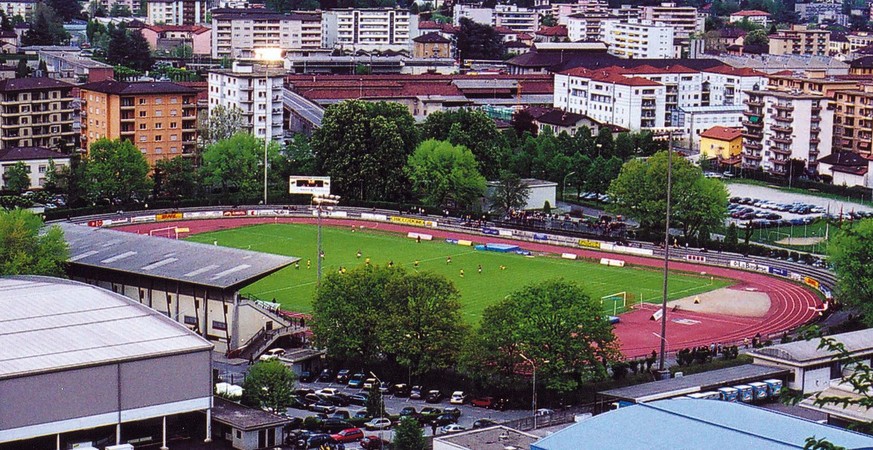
{"x":375,"y":316}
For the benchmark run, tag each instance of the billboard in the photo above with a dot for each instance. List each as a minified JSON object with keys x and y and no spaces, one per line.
{"x":301,"y":184}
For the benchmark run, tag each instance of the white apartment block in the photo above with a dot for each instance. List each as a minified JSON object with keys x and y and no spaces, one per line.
{"x":176,"y":12}
{"x":37,"y":160}
{"x":370,"y":29}
{"x":519,"y":20}
{"x":638,"y":40}
{"x":133,"y":5}
{"x":236,"y":33}
{"x":258,"y":93}
{"x":685,"y":20}
{"x":667,"y":91}
{"x":562,"y":11}
{"x":22,"y":8}
{"x":781,"y":126}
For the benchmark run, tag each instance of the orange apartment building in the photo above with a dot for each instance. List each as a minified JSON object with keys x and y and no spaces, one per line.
{"x":160,"y":118}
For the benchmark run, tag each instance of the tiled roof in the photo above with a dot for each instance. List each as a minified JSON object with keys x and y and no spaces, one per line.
{"x":503,"y":30}
{"x":845,"y":159}
{"x":31,"y":84}
{"x":515,"y":44}
{"x":751,"y":13}
{"x":646,"y":69}
{"x":144,"y":87}
{"x":612,"y":74}
{"x":432,"y":38}
{"x":29,"y":153}
{"x":557,"y":30}
{"x":722,"y":133}
{"x":195,"y":29}
{"x":524,"y":37}
{"x":864,"y":62}
{"x":736,"y":71}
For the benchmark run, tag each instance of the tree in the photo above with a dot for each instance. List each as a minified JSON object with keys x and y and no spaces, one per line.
{"x":409,"y":435}
{"x":472,"y":129}
{"x":66,"y":9}
{"x":174,"y":178}
{"x":22,"y":70}
{"x":183,"y":51}
{"x":220,"y":123}
{"x":522,"y":122}
{"x":851,"y":252}
{"x":445,"y":175}
{"x":46,"y":28}
{"x":297,"y":158}
{"x":237,"y":162}
{"x":477,"y":41}
{"x":363,"y":147}
{"x":509,"y":194}
{"x":548,"y":20}
{"x":17,"y":177}
{"x":269,"y":384}
{"x":43,"y":68}
{"x":375,"y":404}
{"x":5,"y":23}
{"x":116,"y":171}
{"x":640,"y":189}
{"x":24,"y":250}
{"x":554,"y":321}
{"x":129,"y":49}
{"x":756,"y":37}
{"x":731,"y":237}
{"x":119,"y":10}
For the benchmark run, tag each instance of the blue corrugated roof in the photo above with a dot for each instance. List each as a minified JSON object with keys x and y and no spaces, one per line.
{"x":696,"y":424}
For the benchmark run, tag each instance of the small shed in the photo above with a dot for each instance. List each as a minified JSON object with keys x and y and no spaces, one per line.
{"x":247,"y":428}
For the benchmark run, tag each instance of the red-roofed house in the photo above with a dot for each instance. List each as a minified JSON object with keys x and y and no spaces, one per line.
{"x":557,"y":33}
{"x":168,"y":37}
{"x":445,"y":30}
{"x":722,"y":143}
{"x":753,"y":15}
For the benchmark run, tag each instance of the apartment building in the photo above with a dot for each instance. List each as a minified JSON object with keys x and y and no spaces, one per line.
{"x":236,"y":33}
{"x":258,"y":93}
{"x":800,"y":40}
{"x":160,"y":118}
{"x":754,"y":16}
{"x":813,"y":82}
{"x":369,"y":29}
{"x":593,"y":8}
{"x":519,"y":20}
{"x":168,"y":37}
{"x":782,"y":126}
{"x":23,"y":8}
{"x":684,"y":19}
{"x":36,"y":112}
{"x":133,"y":5}
{"x":859,"y":40}
{"x":37,"y":160}
{"x":177,"y":12}
{"x":853,"y":120}
{"x":638,"y":40}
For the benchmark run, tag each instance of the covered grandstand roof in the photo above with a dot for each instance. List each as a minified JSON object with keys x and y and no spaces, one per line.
{"x":801,"y":352}
{"x":50,"y":324}
{"x":189,"y":262}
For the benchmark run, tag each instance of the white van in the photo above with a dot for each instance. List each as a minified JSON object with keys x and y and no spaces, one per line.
{"x":273,"y":353}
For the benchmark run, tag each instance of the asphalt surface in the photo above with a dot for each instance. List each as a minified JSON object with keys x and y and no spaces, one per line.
{"x":780,"y":196}
{"x":311,"y":112}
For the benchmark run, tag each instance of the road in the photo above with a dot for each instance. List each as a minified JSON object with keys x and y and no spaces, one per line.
{"x":306,"y":109}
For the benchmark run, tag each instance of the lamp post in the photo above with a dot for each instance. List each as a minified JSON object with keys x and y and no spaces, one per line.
{"x":266,"y":56}
{"x":381,"y":407}
{"x":661,"y":361}
{"x":534,"y":395}
{"x":564,"y":189}
{"x":320,"y":201}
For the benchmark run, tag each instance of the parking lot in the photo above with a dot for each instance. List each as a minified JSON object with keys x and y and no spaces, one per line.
{"x":393,"y":405}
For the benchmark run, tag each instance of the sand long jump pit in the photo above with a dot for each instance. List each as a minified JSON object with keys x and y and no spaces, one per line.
{"x":733,"y":301}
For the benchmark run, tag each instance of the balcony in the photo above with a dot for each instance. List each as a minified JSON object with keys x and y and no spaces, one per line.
{"x":787,"y":119}
{"x":782,"y":129}
{"x":753,"y":136}
{"x":783,"y":107}
{"x":753,"y":115}
{"x":815,"y":140}
{"x":755,"y":156}
{"x":781,"y":151}
{"x":782,"y":140}
{"x":749,"y":124}
{"x":754,"y":103}
{"x":753,"y":145}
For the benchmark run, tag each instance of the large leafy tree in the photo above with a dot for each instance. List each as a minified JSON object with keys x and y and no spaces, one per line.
{"x":115,"y":171}
{"x":174,"y":177}
{"x":851,"y":253}
{"x":408,"y":435}
{"x":640,"y":191}
{"x":510,"y":193}
{"x":556,"y":325}
{"x":237,"y":162}
{"x":25,"y":250}
{"x":269,"y":384}
{"x":220,"y":123}
{"x":46,"y":27}
{"x":445,"y":175}
{"x":477,"y":41}
{"x":16,"y":178}
{"x":66,"y":9}
{"x":472,"y":129}
{"x":129,"y":48}
{"x":364,"y":146}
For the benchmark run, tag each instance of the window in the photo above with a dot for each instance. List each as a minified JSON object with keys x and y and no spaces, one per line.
{"x":142,"y":113}
{"x":159,"y":150}
{"x":191,"y":321}
{"x":174,"y":137}
{"x":173,"y":112}
{"x":219,"y":325}
{"x":159,"y":113}
{"x":142,"y":101}
{"x":174,"y":149}
{"x":159,"y":101}
{"x":172,"y":124}
{"x":142,"y":126}
{"x":174,"y":100}
{"x":159,"y":125}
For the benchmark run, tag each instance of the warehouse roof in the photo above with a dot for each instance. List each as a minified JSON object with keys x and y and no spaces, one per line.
{"x":244,"y":418}
{"x":698,"y":382}
{"x":697,"y":424}
{"x":189,"y":262}
{"x":50,"y":324}
{"x":807,"y":351}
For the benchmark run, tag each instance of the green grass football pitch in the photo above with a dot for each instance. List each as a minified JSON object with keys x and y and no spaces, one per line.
{"x":294,"y":288}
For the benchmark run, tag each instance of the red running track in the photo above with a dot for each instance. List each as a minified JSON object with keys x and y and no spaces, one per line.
{"x":791,"y":305}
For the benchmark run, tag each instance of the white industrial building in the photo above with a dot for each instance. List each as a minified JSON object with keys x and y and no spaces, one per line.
{"x":638,"y":40}
{"x":84,"y":367}
{"x":257,"y":93}
{"x":369,"y":29}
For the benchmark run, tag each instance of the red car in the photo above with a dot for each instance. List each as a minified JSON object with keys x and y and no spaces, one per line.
{"x":374,"y":443}
{"x":348,"y":435}
{"x":483,"y":402}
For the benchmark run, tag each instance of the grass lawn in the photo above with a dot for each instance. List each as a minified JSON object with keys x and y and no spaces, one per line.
{"x":294,"y":288}
{"x":772,"y":235}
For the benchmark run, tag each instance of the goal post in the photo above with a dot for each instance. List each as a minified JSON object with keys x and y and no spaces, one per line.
{"x":618,"y":297}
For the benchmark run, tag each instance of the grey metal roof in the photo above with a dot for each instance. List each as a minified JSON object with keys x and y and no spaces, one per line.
{"x":51,"y":324}
{"x":806,"y":351}
{"x":189,"y":262}
{"x":243,"y":417}
{"x":697,"y":382}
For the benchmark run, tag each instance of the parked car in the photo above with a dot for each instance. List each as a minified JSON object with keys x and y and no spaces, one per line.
{"x":429,"y":410}
{"x":271,"y":354}
{"x":314,"y":441}
{"x":545,"y":412}
{"x":400,"y":390}
{"x":452,"y":428}
{"x":385,"y":387}
{"x":408,"y":411}
{"x":483,"y":423}
{"x":362,"y":414}
{"x":359,"y":399}
{"x":327,"y":391}
{"x":368,"y":384}
{"x":356,"y":381}
{"x":444,"y":419}
{"x":417,"y":393}
{"x":322,"y":407}
{"x":331,"y":425}
{"x":342,"y":376}
{"x":342,"y":414}
{"x":434,"y":396}
{"x":458,"y":398}
{"x":453,"y":411}
{"x":378,"y":424}
{"x":306,"y":377}
{"x":348,"y":435}
{"x":325,"y":376}
{"x":482,"y":402}
{"x":374,"y":443}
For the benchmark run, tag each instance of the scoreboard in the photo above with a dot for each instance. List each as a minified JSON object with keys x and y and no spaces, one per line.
{"x":309,"y":185}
